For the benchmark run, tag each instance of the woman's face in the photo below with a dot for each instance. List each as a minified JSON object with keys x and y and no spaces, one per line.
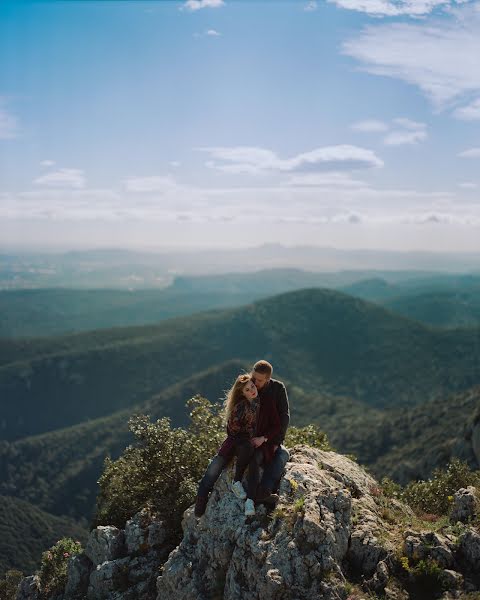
{"x":249,"y":390}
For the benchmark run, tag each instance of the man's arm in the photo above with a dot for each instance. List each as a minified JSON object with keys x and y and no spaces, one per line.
{"x":283,"y":410}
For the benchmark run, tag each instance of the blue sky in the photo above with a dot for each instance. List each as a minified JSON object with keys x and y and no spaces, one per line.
{"x":347,"y":123}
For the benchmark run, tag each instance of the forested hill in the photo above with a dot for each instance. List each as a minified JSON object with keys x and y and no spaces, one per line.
{"x":320,"y":339}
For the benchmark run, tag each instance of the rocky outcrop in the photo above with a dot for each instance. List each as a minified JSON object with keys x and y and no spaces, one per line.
{"x":333,"y":535}
{"x":326,"y":526}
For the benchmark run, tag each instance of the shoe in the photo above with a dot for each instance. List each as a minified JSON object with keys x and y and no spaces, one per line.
{"x":249,"y":508}
{"x":265,"y":496}
{"x":200,"y":505}
{"x":237,"y":489}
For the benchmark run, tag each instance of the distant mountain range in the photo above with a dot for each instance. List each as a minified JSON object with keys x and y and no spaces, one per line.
{"x":322,"y":339}
{"x":445,"y":300}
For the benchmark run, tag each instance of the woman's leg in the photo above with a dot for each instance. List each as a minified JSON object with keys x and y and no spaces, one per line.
{"x":244,"y":452}
{"x":254,"y":473}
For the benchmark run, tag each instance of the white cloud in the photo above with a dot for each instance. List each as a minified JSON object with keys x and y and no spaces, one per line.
{"x":331,"y":179}
{"x":253,"y":160}
{"x":440,"y":57}
{"x":65,"y":178}
{"x":394,"y":8}
{"x":471,"y":112}
{"x":470,"y":153}
{"x":153,"y":183}
{"x":47,"y":163}
{"x":468,"y":185}
{"x":8,"y":123}
{"x":410,"y":132}
{"x":370,"y":126}
{"x":213,"y":33}
{"x":194,"y":5}
{"x":311,"y":6}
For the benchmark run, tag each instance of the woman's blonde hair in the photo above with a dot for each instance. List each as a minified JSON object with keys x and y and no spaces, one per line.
{"x":235,"y":394}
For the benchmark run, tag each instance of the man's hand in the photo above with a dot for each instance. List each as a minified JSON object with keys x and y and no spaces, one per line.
{"x":257,"y":441}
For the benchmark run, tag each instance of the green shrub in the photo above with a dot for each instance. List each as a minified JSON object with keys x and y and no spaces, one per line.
{"x":162,"y":471}
{"x":310,"y":435}
{"x":53,"y":569}
{"x":435,"y":495}
{"x":8,"y":586}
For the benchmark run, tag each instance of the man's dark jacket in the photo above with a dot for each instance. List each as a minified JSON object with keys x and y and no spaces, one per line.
{"x":273,"y":399}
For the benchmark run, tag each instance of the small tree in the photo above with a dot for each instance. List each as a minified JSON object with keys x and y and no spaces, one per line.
{"x":9,"y":585}
{"x":53,"y":569}
{"x":162,"y":471}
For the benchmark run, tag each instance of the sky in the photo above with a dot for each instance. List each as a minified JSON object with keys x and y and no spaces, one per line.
{"x":220,"y":123}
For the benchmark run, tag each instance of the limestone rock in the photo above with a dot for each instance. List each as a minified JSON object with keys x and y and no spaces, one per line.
{"x":28,"y":588}
{"x":108,"y":577}
{"x":465,"y":505}
{"x":78,"y":573}
{"x":105,"y":543}
{"x":419,"y":546}
{"x":144,"y":531}
{"x":469,"y":549}
{"x":297,"y":552}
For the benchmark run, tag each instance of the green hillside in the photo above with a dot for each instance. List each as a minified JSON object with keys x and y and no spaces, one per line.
{"x":318,"y":339}
{"x":26,"y":531}
{"x":441,"y":308}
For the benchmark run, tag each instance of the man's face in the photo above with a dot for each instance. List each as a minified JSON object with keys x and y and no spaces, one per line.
{"x":260,"y":379}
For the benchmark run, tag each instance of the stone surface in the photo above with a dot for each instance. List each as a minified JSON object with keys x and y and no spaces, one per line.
{"x":78,"y":573}
{"x":28,"y":588}
{"x":465,"y":505}
{"x":297,"y":552}
{"x":422,"y":545}
{"x":469,"y":549}
{"x":105,"y":543}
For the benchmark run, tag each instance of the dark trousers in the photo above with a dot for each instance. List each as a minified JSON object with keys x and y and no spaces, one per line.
{"x":272,"y":472}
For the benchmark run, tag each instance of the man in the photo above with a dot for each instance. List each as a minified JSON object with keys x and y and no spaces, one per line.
{"x":274,"y":394}
{"x":271,"y":392}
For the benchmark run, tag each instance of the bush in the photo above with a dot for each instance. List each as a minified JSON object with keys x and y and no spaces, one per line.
{"x":8,"y":586}
{"x":163,"y":470}
{"x":53,"y":569}
{"x":309,"y":435}
{"x":434,"y":495}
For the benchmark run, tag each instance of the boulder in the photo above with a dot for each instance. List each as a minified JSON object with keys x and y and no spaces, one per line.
{"x":105,"y":543}
{"x":28,"y":588}
{"x":465,"y":505}
{"x":78,"y":573}
{"x":295,"y":552}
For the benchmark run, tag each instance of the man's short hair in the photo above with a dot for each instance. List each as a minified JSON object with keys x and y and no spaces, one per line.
{"x":263,"y":367}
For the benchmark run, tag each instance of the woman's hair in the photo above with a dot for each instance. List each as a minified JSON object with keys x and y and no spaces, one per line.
{"x":235,"y":394}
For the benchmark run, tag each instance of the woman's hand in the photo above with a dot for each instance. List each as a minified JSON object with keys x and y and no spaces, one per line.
{"x":258,"y":441}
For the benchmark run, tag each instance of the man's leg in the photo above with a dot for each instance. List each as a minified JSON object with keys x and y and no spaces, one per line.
{"x":213,"y":472}
{"x":272,"y":473}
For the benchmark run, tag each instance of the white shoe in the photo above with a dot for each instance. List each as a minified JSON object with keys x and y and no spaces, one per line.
{"x":249,"y":508}
{"x":237,"y":489}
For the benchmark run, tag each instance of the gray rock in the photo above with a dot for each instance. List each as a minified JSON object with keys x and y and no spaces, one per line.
{"x":28,"y":588}
{"x":79,"y":568}
{"x":296,"y":553}
{"x":465,"y":505}
{"x":108,"y":577}
{"x":105,"y":543}
{"x":143,"y":532}
{"x":451,"y":580}
{"x":422,"y":545}
{"x":469,"y":549}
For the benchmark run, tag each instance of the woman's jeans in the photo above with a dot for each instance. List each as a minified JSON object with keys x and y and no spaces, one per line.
{"x":272,"y":472}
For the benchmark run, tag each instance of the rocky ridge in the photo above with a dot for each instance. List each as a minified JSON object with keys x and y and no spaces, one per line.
{"x":333,"y":535}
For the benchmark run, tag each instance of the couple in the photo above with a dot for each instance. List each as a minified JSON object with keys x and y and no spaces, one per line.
{"x":257,"y":415}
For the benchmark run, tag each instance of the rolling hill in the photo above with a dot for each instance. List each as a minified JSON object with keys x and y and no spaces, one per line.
{"x":26,"y":532}
{"x":319,"y":339}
